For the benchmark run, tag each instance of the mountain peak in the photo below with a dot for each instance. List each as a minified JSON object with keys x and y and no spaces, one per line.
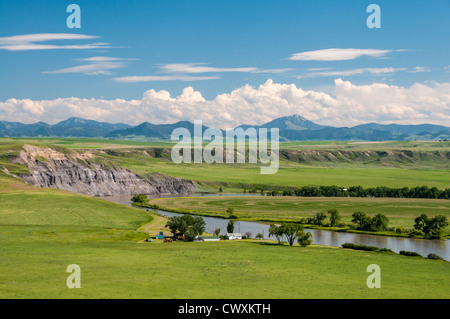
{"x":72,"y":121}
{"x":293,"y":122}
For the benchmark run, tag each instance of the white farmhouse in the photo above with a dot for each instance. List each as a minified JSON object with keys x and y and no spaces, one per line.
{"x":234,"y":236}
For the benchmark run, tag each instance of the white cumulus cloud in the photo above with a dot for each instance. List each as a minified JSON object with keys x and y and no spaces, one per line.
{"x":348,"y":105}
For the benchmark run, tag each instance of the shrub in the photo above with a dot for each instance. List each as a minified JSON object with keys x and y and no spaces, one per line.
{"x":231,"y":214}
{"x":360,"y":247}
{"x":410,"y":253}
{"x":366,"y":248}
{"x":140,"y":199}
{"x":434,"y":256}
{"x":371,"y":248}
{"x":416,"y":232}
{"x":386,"y":250}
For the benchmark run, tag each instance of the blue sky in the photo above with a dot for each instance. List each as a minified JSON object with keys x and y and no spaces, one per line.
{"x":127,"y":48}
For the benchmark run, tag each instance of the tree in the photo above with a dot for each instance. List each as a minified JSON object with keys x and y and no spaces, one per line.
{"x":361,"y":220}
{"x":290,"y":230}
{"x":189,"y":226}
{"x":248,"y":234}
{"x":276,"y":231}
{"x":174,"y":224}
{"x":435,"y":227}
{"x":319,"y":218}
{"x":231,"y":214}
{"x":259,"y":236}
{"x":216,"y":232}
{"x":379,"y":222}
{"x":230,"y":227}
{"x":421,"y":222}
{"x":304,"y":239}
{"x":335,"y":219}
{"x":140,"y":199}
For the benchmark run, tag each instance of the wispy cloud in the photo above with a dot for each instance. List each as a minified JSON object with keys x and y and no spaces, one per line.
{"x":27,"y":42}
{"x":339,"y":54}
{"x":203,"y":68}
{"x":199,"y":68}
{"x":419,"y":69}
{"x":150,"y":78}
{"x":183,"y":71}
{"x":360,"y":71}
{"x":98,"y":65}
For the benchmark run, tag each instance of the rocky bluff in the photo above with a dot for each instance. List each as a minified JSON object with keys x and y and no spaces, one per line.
{"x":82,"y":173}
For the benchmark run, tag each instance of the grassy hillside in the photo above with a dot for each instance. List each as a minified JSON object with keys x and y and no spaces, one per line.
{"x":394,"y":164}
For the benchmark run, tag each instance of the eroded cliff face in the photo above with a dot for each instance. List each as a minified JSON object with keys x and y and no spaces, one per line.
{"x":79,"y":173}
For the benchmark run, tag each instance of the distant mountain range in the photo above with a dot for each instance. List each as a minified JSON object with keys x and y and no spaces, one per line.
{"x":292,"y":128}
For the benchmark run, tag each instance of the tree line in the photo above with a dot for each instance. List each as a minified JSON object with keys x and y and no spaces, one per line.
{"x":357,"y":191}
{"x":428,"y":227}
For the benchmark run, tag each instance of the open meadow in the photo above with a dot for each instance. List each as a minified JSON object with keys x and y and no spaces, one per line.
{"x":42,"y":231}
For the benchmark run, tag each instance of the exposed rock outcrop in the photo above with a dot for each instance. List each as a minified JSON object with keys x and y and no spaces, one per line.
{"x":75,"y":172}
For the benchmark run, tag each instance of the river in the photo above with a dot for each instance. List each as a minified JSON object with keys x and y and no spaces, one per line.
{"x":320,"y":237}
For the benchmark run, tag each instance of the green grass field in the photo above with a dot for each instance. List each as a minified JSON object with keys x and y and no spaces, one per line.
{"x":43,"y":231}
{"x":35,"y":267}
{"x":400,"y":211}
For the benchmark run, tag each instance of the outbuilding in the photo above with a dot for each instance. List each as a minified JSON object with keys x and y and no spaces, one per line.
{"x":210,"y":238}
{"x":160,"y":235}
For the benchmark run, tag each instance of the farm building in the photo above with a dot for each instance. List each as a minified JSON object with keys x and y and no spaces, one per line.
{"x":160,"y":235}
{"x":232,"y":236}
{"x":210,"y":238}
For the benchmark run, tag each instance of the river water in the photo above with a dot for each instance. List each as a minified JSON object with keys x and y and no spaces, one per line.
{"x":320,"y":237}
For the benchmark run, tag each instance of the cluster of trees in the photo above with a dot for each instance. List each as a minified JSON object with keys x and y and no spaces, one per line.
{"x":292,"y":232}
{"x":432,"y":228}
{"x":319,"y":219}
{"x":189,"y":226}
{"x":249,"y":235}
{"x":359,"y":191}
{"x":364,"y":222}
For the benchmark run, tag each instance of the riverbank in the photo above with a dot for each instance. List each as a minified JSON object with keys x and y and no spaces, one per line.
{"x":401,"y":212}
